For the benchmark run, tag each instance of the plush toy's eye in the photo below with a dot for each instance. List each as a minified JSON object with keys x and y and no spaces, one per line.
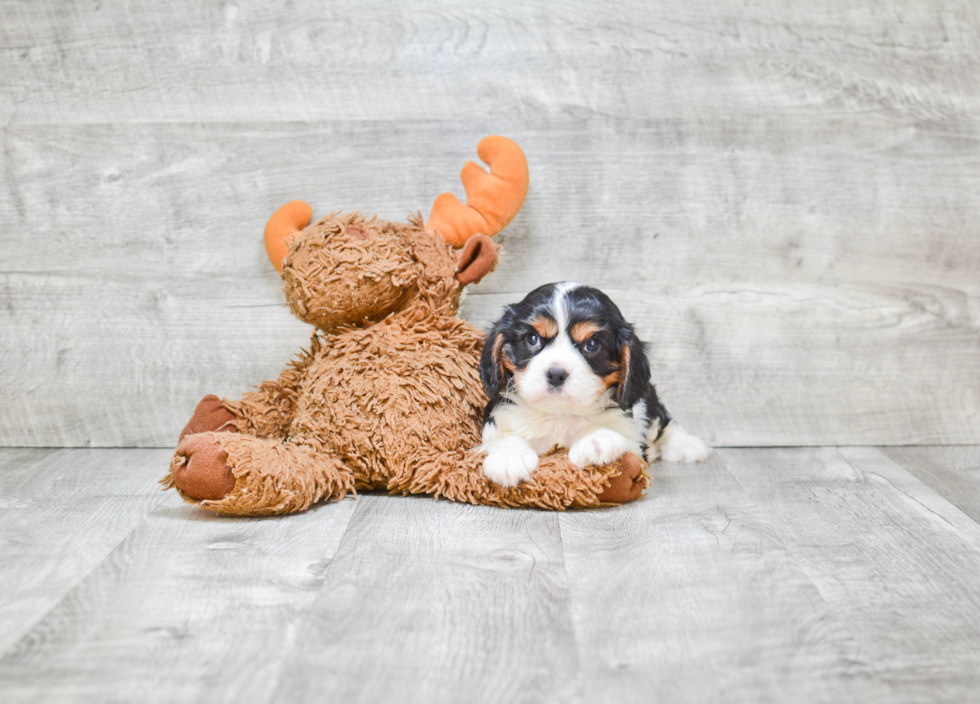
{"x":591,"y":345}
{"x":533,"y":341}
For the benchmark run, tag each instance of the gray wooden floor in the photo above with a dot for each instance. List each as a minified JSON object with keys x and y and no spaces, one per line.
{"x":809,"y":574}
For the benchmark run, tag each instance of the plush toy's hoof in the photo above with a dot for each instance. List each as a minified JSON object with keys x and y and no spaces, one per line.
{"x":205,"y":474}
{"x":209,"y":415}
{"x":627,"y":485}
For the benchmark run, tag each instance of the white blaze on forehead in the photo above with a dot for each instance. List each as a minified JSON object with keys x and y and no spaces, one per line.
{"x":561,"y":313}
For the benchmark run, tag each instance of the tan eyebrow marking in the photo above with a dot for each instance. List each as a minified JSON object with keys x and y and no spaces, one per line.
{"x":584,"y":330}
{"x":546,"y":327}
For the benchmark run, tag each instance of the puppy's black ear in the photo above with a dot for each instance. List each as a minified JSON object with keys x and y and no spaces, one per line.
{"x":493,"y":362}
{"x":634,"y":369}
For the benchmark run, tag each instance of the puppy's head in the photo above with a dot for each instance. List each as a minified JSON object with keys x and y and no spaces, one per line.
{"x":565,"y":345}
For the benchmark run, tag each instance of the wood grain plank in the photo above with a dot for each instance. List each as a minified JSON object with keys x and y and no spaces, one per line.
{"x":952,"y":472}
{"x":299,"y":61}
{"x":61,"y":513}
{"x":864,"y":307}
{"x":690,"y":594}
{"x":895,"y":561}
{"x":437,"y":602}
{"x":190,"y":607}
{"x":805,"y":198}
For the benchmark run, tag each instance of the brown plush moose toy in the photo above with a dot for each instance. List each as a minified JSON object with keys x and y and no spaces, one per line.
{"x":389,"y":394}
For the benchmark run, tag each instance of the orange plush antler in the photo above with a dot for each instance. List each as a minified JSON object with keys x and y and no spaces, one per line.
{"x":285,"y":223}
{"x":492,"y":199}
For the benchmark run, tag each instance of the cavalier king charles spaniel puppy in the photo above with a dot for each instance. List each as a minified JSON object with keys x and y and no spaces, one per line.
{"x":563,"y":368}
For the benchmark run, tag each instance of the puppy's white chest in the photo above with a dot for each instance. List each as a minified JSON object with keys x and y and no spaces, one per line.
{"x":543,"y":430}
{"x":558,"y":430}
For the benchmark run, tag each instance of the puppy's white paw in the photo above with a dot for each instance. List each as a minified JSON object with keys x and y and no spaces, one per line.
{"x":678,"y":445}
{"x":510,"y":461}
{"x":598,"y":447}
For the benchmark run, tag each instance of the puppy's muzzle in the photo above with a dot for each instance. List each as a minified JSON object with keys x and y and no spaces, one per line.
{"x":556,"y":377}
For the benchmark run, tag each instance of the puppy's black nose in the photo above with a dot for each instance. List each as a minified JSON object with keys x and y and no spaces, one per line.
{"x":556,"y":376}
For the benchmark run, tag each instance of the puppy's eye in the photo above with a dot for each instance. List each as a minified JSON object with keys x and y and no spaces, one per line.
{"x":533,"y":341}
{"x":591,"y":345}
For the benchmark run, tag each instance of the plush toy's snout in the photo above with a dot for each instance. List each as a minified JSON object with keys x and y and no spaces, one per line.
{"x":343,"y":269}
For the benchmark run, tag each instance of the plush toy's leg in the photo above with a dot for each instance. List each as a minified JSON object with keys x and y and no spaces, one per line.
{"x":210,"y":414}
{"x":241,"y":475}
{"x":268,"y":411}
{"x":556,"y":483}
{"x":265,"y":413}
{"x":202,"y":472}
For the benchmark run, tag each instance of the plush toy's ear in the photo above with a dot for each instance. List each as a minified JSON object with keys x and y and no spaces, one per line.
{"x":492,"y":199}
{"x":478,"y":258}
{"x":494,"y":369}
{"x":634,"y":369}
{"x":285,"y":223}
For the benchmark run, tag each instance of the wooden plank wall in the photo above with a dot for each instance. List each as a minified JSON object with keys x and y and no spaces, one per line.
{"x":784,"y":197}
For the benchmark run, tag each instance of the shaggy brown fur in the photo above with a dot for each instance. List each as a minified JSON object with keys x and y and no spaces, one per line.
{"x":388,"y":396}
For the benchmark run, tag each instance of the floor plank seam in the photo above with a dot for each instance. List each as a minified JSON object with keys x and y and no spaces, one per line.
{"x":307,"y":623}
